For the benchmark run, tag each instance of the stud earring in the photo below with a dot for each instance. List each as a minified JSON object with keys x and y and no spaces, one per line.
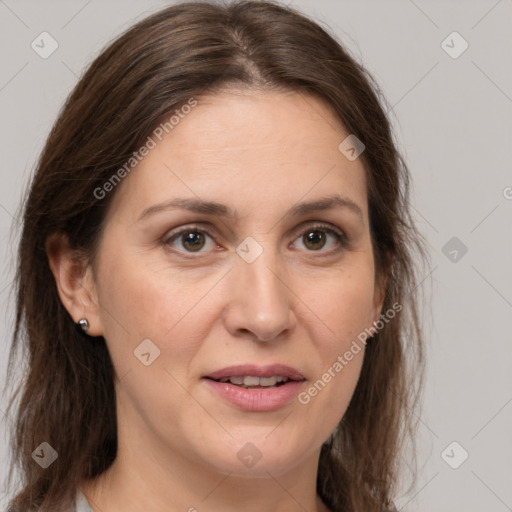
{"x":83,"y":324}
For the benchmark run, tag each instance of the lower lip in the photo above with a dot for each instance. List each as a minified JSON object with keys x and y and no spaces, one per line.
{"x":259,"y":399}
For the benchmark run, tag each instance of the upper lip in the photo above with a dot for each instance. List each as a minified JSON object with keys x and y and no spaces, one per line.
{"x":257,"y":371}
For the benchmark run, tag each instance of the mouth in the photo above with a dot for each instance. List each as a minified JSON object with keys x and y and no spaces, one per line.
{"x":247,"y":375}
{"x":256,"y":388}
{"x":253,"y":382}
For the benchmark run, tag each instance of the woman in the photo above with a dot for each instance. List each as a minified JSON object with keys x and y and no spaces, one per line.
{"x":216,"y":279}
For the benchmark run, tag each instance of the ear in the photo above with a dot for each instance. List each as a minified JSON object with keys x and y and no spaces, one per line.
{"x":379,"y":295}
{"x":75,"y":282}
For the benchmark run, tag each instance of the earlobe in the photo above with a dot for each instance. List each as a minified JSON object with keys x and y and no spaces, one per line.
{"x":74,"y":281}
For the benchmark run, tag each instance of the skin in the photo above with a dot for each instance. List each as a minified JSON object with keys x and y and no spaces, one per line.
{"x":298,"y":304}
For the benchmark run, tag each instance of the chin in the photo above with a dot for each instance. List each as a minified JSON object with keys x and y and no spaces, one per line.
{"x":259,"y":455}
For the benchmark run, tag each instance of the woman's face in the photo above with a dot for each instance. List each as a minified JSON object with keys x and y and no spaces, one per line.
{"x":238,"y":247}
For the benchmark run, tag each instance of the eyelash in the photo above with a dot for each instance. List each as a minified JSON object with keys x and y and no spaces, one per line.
{"x":341,"y":238}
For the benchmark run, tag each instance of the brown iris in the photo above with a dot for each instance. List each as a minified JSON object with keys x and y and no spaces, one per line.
{"x":314,"y":239}
{"x":193,"y":240}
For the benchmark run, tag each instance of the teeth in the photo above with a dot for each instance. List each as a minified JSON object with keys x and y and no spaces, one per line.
{"x":268,"y":381}
{"x":250,"y":381}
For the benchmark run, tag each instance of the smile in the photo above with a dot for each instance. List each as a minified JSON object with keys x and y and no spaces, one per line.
{"x":256,"y":382}
{"x":256,"y":388}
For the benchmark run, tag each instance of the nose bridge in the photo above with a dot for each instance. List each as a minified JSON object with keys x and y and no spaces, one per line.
{"x":259,"y":300}
{"x":265,"y":278}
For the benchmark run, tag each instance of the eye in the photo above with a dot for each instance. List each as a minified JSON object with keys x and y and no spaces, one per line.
{"x":317,"y":238}
{"x":321,"y":238}
{"x":191,"y":240}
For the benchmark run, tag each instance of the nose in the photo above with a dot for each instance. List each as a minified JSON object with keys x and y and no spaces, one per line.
{"x":260,"y":303}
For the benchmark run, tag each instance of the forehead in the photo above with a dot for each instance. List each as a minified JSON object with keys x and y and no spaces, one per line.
{"x":247,"y":149}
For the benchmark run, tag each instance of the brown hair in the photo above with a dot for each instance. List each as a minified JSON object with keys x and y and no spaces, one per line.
{"x":67,"y":397}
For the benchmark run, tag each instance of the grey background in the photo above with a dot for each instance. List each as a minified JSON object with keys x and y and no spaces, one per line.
{"x":452,"y":118}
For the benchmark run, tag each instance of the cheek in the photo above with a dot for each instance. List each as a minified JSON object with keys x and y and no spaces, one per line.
{"x":341,"y":306}
{"x":140,"y":301}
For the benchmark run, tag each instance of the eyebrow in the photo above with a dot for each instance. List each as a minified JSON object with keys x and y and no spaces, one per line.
{"x":221,"y":210}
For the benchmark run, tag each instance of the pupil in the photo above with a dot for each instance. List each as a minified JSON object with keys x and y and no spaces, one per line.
{"x":314,"y":239}
{"x":193,"y":241}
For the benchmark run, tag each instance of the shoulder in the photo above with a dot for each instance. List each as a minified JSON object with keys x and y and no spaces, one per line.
{"x":82,"y":505}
